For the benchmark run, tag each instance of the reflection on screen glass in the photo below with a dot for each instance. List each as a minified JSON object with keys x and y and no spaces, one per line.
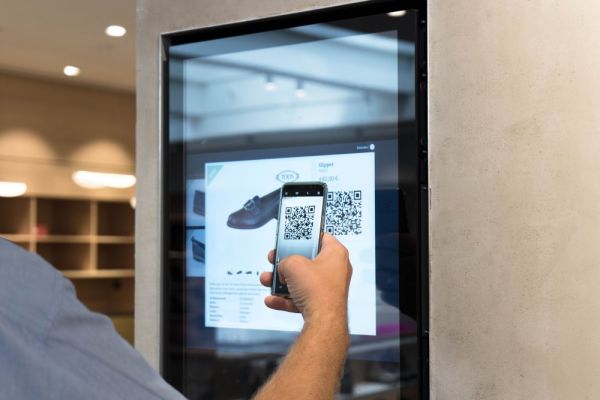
{"x":333,"y":103}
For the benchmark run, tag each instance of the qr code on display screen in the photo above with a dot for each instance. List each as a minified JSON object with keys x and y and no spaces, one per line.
{"x":344,"y":212}
{"x":298,"y":222}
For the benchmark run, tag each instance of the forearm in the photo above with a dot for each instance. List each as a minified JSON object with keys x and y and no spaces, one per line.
{"x":313,"y":367}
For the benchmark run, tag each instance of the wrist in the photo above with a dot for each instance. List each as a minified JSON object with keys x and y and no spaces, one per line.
{"x":334,"y":321}
{"x":324,"y":310}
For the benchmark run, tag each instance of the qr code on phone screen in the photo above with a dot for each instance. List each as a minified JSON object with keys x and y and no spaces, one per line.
{"x":344,"y":212}
{"x":298,"y":222}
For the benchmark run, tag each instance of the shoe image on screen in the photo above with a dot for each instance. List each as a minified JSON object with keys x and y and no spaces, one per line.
{"x":256,"y":212}
{"x":195,"y":203}
{"x":195,"y":252}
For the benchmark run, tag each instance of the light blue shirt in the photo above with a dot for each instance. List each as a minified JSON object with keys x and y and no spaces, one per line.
{"x":53,"y":347}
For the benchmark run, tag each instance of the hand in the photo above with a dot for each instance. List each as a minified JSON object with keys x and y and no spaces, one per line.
{"x":318,"y":288}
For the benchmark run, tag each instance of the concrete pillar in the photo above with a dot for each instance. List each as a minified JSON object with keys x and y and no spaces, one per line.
{"x":514,"y":136}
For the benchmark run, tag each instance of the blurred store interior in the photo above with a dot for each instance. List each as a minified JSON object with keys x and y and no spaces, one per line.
{"x":67,"y":143}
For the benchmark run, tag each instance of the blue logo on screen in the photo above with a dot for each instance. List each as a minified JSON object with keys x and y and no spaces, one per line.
{"x":287,"y":176}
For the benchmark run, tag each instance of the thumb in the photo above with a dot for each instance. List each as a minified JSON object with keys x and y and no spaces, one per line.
{"x":291,"y":266}
{"x":329,"y":244}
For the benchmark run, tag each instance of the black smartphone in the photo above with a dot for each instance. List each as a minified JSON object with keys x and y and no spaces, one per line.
{"x":300,"y":222}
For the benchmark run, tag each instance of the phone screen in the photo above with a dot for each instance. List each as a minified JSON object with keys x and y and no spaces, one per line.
{"x":299,"y":225}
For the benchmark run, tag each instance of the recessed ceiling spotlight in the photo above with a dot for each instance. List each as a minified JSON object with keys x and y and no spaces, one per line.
{"x":115,"y":31}
{"x":300,"y":91}
{"x":71,"y":70}
{"x":270,"y":86}
{"x":12,"y":189}
{"x":99,"y":180}
{"x":399,"y":13}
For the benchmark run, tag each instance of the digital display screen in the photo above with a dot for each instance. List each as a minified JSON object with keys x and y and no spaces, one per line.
{"x":331,"y":102}
{"x":299,"y":227}
{"x":242,"y":201}
{"x":299,"y":230}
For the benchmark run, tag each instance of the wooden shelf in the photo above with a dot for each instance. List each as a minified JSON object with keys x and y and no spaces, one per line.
{"x":66,"y":256}
{"x":17,"y":237}
{"x":90,"y":241}
{"x":64,"y":239}
{"x":64,"y":216}
{"x":107,"y":296}
{"x":115,"y":219}
{"x":99,"y":274}
{"x":115,"y":239}
{"x":86,"y":238}
{"x":115,"y":255}
{"x":15,"y":215}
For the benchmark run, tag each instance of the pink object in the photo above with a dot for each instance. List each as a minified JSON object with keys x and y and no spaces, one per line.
{"x":41,"y":230}
{"x":396,"y":329}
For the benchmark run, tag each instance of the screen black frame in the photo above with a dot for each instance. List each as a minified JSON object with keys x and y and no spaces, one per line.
{"x":174,"y":278}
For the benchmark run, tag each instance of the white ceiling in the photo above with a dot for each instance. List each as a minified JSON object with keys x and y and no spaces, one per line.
{"x":40,"y":37}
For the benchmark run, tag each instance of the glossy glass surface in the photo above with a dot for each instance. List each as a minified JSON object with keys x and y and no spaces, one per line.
{"x":326,"y":97}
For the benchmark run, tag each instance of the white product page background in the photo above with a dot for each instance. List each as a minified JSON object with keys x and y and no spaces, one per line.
{"x":235,"y":257}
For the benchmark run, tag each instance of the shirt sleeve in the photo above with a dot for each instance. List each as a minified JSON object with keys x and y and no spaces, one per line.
{"x":95,"y":360}
{"x":53,"y":347}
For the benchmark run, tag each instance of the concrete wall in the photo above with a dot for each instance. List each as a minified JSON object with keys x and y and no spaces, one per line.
{"x":514,"y":165}
{"x":514,"y":128}
{"x":153,"y":18}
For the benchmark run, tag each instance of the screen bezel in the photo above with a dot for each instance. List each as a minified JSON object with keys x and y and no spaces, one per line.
{"x":173,"y":276}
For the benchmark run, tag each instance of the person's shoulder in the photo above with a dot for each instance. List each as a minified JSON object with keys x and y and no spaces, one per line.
{"x":7,"y":248}
{"x":30,"y":290}
{"x":22,"y":264}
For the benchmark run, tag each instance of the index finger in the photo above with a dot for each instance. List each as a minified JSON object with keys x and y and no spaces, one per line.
{"x":266,"y":278}
{"x":271,"y":256}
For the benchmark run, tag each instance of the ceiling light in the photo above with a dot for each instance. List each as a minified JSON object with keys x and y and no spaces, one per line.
{"x":12,"y":189}
{"x":98,"y":180}
{"x":115,"y":31}
{"x":270,"y":86}
{"x":399,"y":13}
{"x":71,"y":70}
{"x":300,"y":92}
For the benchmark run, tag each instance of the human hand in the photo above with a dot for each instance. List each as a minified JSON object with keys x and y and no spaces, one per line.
{"x":318,"y":288}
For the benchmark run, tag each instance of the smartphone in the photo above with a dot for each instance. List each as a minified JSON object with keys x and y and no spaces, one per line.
{"x":300,"y":222}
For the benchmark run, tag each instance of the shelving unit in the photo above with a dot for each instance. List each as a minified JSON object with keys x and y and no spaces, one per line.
{"x":90,"y":241}
{"x":16,"y":220}
{"x":82,"y":238}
